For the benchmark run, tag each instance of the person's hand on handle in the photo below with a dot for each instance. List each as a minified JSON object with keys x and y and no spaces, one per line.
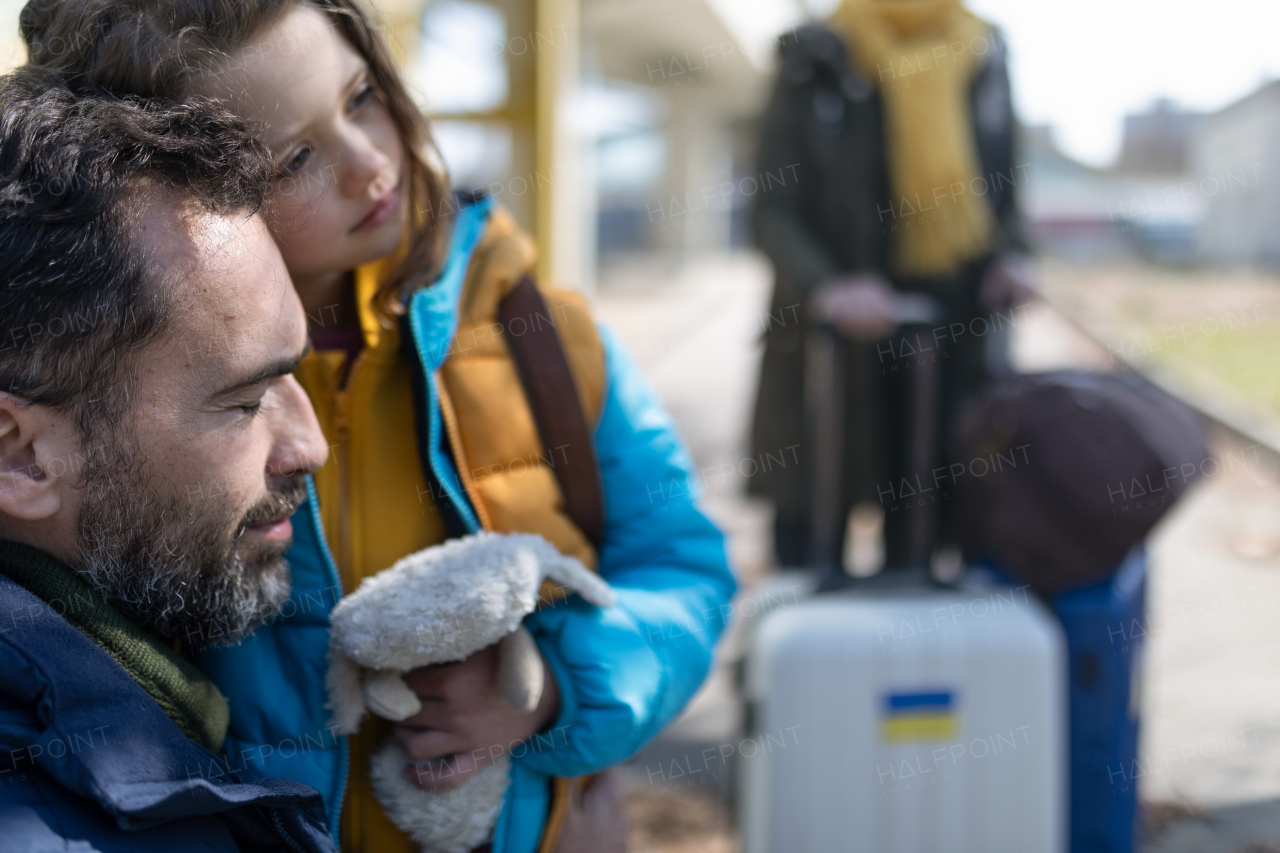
{"x":1010,"y":281}
{"x":597,"y":820}
{"x":464,"y":724}
{"x":860,"y":306}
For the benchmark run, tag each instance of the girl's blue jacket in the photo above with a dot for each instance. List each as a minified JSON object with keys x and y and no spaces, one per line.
{"x":623,"y":673}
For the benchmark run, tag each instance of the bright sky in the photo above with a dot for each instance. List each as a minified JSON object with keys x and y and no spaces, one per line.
{"x":1081,"y":65}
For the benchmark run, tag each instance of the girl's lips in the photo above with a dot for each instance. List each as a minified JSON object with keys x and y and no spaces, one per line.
{"x":280,"y":530}
{"x":383,"y":209}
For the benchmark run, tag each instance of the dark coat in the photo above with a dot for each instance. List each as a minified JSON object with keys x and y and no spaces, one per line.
{"x":89,"y":761}
{"x":824,"y":210}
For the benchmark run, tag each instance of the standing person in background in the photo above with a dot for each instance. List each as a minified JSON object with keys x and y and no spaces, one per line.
{"x":415,"y":384}
{"x":895,"y":117}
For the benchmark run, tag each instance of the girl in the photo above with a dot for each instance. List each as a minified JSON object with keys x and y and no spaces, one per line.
{"x":432,"y":436}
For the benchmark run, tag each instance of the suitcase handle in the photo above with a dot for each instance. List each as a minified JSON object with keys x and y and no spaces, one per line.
{"x":825,"y":391}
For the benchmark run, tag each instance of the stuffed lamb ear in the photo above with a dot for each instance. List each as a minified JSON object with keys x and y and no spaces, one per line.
{"x":576,"y":577}
{"x":346,"y":692}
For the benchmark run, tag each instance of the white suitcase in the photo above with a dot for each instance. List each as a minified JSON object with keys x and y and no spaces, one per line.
{"x":892,"y":715}
{"x":906,"y":721}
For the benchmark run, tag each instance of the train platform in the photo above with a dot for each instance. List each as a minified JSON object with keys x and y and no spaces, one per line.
{"x":1210,"y":757}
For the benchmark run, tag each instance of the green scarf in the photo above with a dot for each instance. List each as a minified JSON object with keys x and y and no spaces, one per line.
{"x":184,"y":693}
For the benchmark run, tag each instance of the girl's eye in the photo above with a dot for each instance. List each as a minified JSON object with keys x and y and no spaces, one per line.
{"x":362,"y":96}
{"x":297,"y":162}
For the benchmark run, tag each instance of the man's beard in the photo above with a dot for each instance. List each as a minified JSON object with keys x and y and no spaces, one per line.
{"x":180,"y":567}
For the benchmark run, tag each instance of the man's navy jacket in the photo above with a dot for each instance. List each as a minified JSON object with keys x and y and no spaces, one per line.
{"x":90,"y":762}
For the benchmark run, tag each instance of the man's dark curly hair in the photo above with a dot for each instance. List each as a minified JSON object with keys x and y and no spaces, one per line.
{"x":77,"y":303}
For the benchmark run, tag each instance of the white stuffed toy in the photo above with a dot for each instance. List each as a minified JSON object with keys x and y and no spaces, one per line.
{"x":442,"y":605}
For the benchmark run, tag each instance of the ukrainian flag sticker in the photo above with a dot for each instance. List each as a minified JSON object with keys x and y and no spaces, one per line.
{"x":907,"y":717}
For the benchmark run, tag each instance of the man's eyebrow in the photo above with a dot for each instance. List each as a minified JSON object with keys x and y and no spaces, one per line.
{"x":275,"y":370}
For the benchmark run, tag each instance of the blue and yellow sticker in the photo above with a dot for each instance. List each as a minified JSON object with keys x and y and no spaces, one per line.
{"x":909,"y":717}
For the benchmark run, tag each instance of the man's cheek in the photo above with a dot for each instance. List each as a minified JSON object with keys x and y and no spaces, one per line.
{"x":226,"y":473}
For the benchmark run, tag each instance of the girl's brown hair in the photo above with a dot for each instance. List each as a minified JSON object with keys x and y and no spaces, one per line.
{"x":155,"y":48}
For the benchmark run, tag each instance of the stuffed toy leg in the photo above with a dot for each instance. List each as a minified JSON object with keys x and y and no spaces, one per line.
{"x":442,"y":605}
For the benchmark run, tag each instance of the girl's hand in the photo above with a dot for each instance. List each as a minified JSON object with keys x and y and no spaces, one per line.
{"x":464,"y":725}
{"x":597,"y":821}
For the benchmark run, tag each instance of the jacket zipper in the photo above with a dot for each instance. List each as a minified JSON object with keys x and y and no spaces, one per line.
{"x":343,"y":398}
{"x":344,"y":750}
{"x":342,"y":428}
{"x":434,"y":413}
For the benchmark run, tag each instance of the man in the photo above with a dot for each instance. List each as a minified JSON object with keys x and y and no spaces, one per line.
{"x":153,"y":446}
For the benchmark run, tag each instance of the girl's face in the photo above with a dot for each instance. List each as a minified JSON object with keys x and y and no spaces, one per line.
{"x":339,"y":198}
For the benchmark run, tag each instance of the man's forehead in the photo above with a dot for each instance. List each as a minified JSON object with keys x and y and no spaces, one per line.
{"x":232,"y":299}
{"x":211,"y":263}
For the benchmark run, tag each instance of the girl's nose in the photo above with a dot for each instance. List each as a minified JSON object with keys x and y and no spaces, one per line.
{"x":363,"y":163}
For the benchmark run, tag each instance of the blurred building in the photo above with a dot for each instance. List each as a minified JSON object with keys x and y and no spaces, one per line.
{"x":1071,"y":209}
{"x":676,"y":178}
{"x":1158,"y":141}
{"x":1153,"y":176}
{"x":1148,"y":205}
{"x":1236,"y":159}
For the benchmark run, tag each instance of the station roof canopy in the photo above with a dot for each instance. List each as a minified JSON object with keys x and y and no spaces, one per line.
{"x":723,"y":46}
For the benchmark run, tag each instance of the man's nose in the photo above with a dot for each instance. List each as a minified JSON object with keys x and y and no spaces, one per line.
{"x":300,"y":446}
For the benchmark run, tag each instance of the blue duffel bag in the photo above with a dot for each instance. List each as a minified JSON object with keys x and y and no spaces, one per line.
{"x":1105,"y":624}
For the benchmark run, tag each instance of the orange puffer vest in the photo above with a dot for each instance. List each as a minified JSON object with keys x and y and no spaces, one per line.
{"x":376,"y":505}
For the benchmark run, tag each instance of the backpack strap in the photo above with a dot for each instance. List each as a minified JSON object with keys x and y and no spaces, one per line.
{"x":553,"y":398}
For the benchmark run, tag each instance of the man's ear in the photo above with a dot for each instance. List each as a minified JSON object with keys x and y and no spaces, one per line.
{"x":39,"y":454}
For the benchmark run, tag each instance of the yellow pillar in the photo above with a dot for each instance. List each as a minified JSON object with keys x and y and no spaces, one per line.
{"x":558,"y":226}
{"x":401,"y":23}
{"x":543,"y":66}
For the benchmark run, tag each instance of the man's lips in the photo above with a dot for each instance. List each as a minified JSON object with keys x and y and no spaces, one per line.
{"x":280,"y":529}
{"x":383,"y":209}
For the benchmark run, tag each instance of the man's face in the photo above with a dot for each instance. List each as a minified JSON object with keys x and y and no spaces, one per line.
{"x":184,"y":515}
